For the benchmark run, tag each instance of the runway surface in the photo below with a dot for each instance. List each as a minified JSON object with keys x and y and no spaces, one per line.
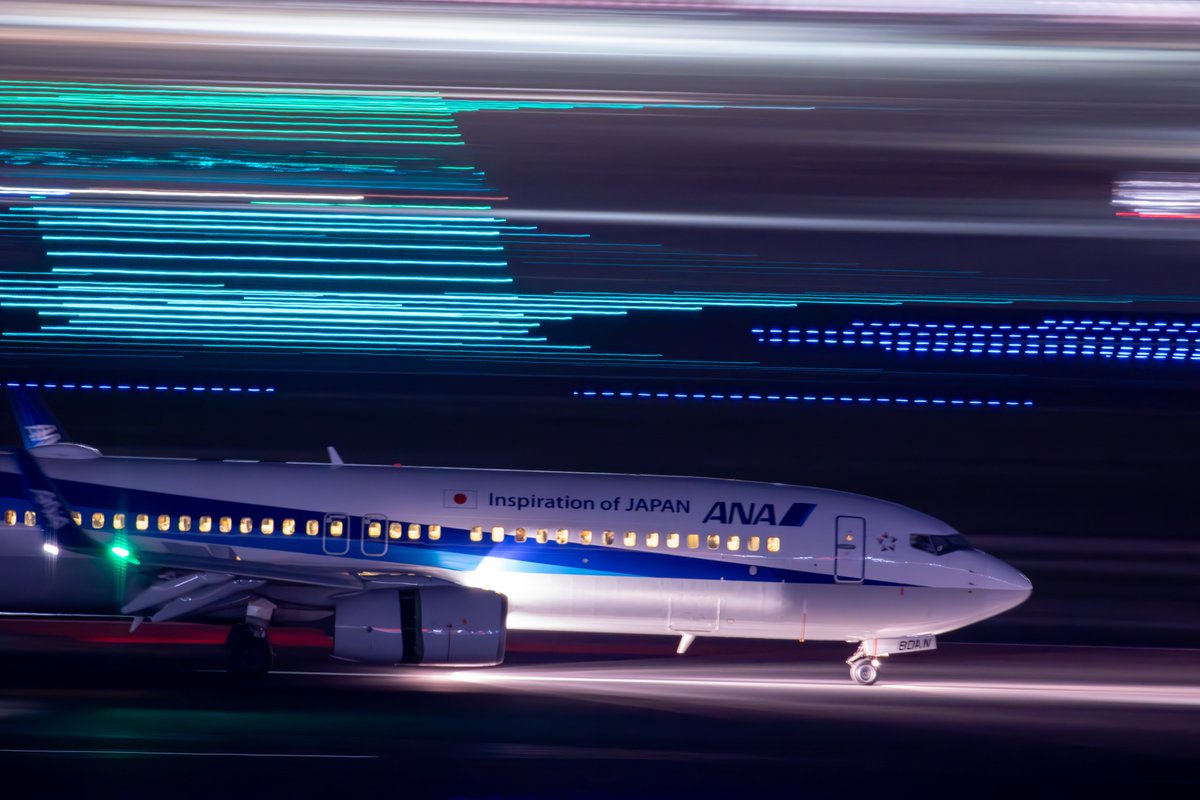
{"x":608,"y":717}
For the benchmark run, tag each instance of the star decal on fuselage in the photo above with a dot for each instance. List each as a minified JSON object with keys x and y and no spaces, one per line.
{"x":886,"y":541}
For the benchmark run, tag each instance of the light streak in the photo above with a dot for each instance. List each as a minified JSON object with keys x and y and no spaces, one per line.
{"x":175,"y":193}
{"x":271,"y":243}
{"x":278,"y":275}
{"x":847,"y":398}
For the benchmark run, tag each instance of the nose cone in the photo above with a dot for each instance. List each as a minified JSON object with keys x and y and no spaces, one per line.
{"x":1001,"y":575}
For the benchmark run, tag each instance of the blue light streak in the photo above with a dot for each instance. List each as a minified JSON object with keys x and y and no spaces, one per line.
{"x":856,"y":399}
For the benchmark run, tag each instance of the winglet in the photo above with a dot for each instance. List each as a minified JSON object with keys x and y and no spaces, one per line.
{"x":38,"y":425}
{"x":334,"y":457}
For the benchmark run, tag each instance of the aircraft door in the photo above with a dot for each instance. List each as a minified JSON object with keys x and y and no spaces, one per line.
{"x":335,"y":535}
{"x":849,"y":550}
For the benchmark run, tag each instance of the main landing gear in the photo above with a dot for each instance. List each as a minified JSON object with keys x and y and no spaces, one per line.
{"x":249,"y":651}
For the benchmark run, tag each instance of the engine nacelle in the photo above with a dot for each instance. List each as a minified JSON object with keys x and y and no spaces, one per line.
{"x":447,"y":625}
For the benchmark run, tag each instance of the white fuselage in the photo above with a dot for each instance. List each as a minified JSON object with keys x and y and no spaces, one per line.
{"x":615,"y":553}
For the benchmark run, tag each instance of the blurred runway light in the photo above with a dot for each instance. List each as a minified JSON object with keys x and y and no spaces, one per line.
{"x":1122,"y":340}
{"x":1104,"y":228}
{"x":143,"y":387}
{"x":183,"y":194}
{"x":550,"y":31}
{"x":855,"y":398}
{"x":1167,"y":196}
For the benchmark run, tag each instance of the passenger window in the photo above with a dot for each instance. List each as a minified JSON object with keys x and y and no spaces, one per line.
{"x":164,"y":522}
{"x":118,"y":521}
{"x":752,"y":543}
{"x":693,"y":541}
{"x":97,"y":519}
{"x":477,"y":534}
{"x":395,"y":530}
{"x":652,"y":539}
{"x":733,"y":543}
{"x":31,"y":518}
{"x":374,"y":529}
{"x":435,"y":532}
{"x":266,"y":526}
{"x":414,"y":531}
{"x":289,"y":526}
{"x":312,"y":527}
{"x":10,"y":517}
{"x":185,"y":524}
{"x":610,"y":537}
{"x":563,"y":536}
{"x":519,"y":535}
{"x":773,"y":544}
{"x":142,"y":522}
{"x":76,"y":517}
{"x":246,"y":525}
{"x":497,"y":534}
{"x":205,"y":524}
{"x":673,"y":540}
{"x":630,"y":539}
{"x":585,"y":537}
{"x":714,"y":541}
{"x":226,"y":524}
{"x":336,"y":527}
{"x":543,"y":536}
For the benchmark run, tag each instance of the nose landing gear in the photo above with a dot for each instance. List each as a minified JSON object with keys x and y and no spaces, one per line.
{"x":864,"y":666}
{"x":864,"y":671}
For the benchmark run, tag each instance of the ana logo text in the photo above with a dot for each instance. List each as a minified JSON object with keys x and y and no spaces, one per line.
{"x":758,"y":514}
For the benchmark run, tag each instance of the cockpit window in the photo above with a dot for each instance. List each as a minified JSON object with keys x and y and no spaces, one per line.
{"x":939,"y":545}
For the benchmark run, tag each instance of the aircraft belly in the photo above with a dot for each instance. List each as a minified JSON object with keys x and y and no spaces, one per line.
{"x":736,"y":609}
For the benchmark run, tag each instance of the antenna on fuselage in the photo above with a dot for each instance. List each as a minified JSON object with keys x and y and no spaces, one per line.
{"x":334,"y":457}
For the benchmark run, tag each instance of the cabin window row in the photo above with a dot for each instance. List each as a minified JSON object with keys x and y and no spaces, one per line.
{"x":265,"y":525}
{"x":375,"y":528}
{"x":654,"y":539}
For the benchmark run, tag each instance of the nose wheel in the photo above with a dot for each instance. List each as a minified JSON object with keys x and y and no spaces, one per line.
{"x":864,"y":671}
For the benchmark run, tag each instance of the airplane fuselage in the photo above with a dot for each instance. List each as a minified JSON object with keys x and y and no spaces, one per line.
{"x":570,"y":551}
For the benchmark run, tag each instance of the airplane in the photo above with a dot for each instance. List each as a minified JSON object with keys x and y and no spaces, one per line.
{"x":434,"y":565}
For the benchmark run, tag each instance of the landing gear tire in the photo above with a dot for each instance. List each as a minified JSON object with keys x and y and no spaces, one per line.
{"x":864,"y":672}
{"x":249,"y":652}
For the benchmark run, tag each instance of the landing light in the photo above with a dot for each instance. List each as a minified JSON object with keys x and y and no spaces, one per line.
{"x":51,"y":549}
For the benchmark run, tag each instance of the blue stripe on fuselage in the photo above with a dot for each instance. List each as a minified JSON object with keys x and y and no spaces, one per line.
{"x":454,"y":551}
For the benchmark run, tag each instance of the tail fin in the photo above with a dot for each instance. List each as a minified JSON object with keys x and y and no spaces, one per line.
{"x":61,"y":530}
{"x":38,"y":425}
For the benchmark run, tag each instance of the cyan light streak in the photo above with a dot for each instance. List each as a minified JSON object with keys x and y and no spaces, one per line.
{"x":287,"y":259}
{"x":305,"y":276}
{"x":281,"y":273}
{"x":270,"y":243}
{"x":328,"y":218}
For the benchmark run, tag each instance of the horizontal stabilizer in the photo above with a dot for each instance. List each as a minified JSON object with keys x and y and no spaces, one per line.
{"x":38,"y":425}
